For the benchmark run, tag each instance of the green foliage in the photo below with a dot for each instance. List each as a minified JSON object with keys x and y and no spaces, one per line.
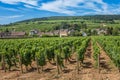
{"x":50,"y":53}
{"x":25,"y":51}
{"x":57,"y":49}
{"x":41,"y":57}
{"x":112,"y":47}
{"x":26,"y":56}
{"x":66,"y":52}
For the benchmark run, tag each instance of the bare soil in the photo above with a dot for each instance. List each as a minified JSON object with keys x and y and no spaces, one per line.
{"x":88,"y":70}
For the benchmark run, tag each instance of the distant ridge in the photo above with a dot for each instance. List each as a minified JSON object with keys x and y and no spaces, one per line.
{"x":87,"y":17}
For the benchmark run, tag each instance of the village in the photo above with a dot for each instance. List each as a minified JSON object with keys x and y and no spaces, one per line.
{"x":55,"y":33}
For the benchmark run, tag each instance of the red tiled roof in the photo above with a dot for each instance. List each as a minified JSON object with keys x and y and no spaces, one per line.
{"x":18,"y":33}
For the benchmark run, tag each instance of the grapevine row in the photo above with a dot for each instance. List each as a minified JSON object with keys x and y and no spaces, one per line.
{"x":23,"y":52}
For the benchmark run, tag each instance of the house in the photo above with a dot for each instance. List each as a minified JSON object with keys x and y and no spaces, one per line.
{"x":56,"y":32}
{"x":40,"y":34}
{"x":1,"y":34}
{"x":12,"y":34}
{"x":48,"y":33}
{"x":33,"y":32}
{"x":4,"y":34}
{"x":63,"y":32}
{"x":18,"y":34}
{"x":103,"y":24}
{"x":71,"y":32}
{"x":84,"y":34}
{"x":101,"y":31}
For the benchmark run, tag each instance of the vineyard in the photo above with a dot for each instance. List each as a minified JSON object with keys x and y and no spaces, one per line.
{"x":73,"y":58}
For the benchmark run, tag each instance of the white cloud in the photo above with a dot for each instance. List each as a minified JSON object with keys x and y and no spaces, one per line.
{"x":69,"y":7}
{"x":15,"y":16}
{"x":64,"y":6}
{"x":56,"y":6}
{"x":60,"y":6}
{"x":11,"y":17}
{"x":31,"y":2}
{"x":72,"y":7}
{"x":28,"y":6}
{"x":10,"y":9}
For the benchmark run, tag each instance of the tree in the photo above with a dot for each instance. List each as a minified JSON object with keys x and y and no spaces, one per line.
{"x":94,"y":32}
{"x":89,"y":32}
{"x":115,"y":32}
{"x":109,"y":30}
{"x":6,"y":30}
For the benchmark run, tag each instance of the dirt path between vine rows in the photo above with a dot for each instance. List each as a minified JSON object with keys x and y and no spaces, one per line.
{"x":108,"y":71}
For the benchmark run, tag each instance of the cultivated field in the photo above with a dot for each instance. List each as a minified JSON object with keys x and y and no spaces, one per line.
{"x":68,"y":58}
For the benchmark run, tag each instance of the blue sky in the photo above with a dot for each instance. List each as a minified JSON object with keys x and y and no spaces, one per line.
{"x":17,"y":10}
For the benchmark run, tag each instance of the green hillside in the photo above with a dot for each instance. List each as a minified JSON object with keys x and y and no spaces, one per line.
{"x":52,"y":23}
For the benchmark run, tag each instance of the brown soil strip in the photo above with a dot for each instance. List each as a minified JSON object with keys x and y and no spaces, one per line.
{"x":106,"y":63}
{"x":108,"y":71}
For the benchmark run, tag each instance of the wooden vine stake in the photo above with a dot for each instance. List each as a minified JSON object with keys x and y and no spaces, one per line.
{"x":99,"y":63}
{"x":41,"y":68}
{"x":3,"y":63}
{"x":58,"y":70}
{"x":36,"y":59}
{"x":20,"y":63}
{"x":119,"y":69}
{"x":78,"y":64}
